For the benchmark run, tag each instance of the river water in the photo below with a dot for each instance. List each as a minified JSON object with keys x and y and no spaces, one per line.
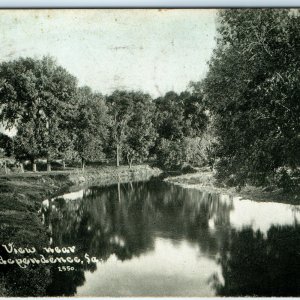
{"x":154,"y":238}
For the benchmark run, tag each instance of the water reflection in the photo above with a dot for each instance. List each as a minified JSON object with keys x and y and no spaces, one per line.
{"x":254,"y":264}
{"x":158,"y":239}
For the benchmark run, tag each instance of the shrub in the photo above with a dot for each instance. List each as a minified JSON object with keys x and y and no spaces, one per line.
{"x":170,"y":154}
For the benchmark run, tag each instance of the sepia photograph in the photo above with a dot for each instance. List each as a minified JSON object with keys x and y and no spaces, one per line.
{"x":150,"y":152}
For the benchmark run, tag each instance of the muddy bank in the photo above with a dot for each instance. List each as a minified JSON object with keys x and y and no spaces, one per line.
{"x":20,"y":199}
{"x":204,"y":180}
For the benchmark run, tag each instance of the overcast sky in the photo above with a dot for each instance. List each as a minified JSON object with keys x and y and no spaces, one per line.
{"x":150,"y":50}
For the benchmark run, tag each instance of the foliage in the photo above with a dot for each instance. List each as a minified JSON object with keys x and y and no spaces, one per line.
{"x":191,"y":151}
{"x":170,"y":154}
{"x":6,"y":145}
{"x":54,"y":119}
{"x":181,"y":121}
{"x":169,"y":116}
{"x":90,"y":125}
{"x":182,"y":115}
{"x":141,"y":134}
{"x":36,"y":97}
{"x":286,"y":179}
{"x":252,"y":90}
{"x":27,"y":142}
{"x":120,"y":111}
{"x":131,"y":127}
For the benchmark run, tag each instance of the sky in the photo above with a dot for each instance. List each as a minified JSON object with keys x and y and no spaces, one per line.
{"x":154,"y":51}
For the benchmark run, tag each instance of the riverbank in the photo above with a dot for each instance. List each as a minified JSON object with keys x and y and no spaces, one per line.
{"x":20,"y":199}
{"x":23,"y":193}
{"x":204,"y":180}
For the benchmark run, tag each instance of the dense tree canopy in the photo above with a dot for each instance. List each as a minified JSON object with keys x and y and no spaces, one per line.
{"x":252,"y":89}
{"x":36,"y":97}
{"x":180,"y":120}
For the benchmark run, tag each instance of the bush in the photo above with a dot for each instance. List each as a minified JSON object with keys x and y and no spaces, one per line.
{"x":170,"y":154}
{"x":287,"y":179}
{"x":174,"y":154}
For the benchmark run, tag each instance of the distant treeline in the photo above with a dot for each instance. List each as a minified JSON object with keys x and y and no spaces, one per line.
{"x":242,"y":119}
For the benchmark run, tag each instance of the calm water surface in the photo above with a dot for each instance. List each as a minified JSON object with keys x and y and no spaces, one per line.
{"x":157,"y":239}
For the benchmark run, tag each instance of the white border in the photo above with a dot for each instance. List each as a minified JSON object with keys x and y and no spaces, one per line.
{"x":145,"y":3}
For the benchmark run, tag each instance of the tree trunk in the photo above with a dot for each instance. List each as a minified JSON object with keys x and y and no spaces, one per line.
{"x":5,"y":167}
{"x":82,"y":164}
{"x":33,"y":166}
{"x":48,"y":163}
{"x":21,"y":168}
{"x":64,"y":164}
{"x":118,"y":161}
{"x":129,"y":160}
{"x":119,"y":191}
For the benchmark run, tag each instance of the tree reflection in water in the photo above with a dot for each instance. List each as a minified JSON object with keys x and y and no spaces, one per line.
{"x":125,"y":219}
{"x":258,"y":265}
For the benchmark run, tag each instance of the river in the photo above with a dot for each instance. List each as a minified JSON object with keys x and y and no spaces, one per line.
{"x":154,"y":238}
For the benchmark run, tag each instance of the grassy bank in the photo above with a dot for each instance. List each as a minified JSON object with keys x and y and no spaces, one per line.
{"x":22,"y":194}
{"x":204,"y":179}
{"x":20,"y":199}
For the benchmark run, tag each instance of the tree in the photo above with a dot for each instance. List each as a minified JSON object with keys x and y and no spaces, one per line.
{"x":252,"y":90}
{"x":170,"y":154}
{"x":195,"y":113}
{"x":90,"y":125}
{"x":120,"y":110}
{"x":169,"y":116}
{"x":132,"y":129}
{"x":181,"y":120}
{"x":141,"y":134}
{"x":28,"y":143}
{"x":37,"y":96}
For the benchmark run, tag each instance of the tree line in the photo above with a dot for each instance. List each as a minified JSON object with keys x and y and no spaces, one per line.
{"x":57,"y":119}
{"x":242,"y":119}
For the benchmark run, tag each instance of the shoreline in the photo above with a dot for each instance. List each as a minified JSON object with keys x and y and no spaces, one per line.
{"x":21,"y":196}
{"x":204,"y":180}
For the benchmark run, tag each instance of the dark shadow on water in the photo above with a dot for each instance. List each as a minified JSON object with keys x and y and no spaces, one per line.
{"x":258,"y":265}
